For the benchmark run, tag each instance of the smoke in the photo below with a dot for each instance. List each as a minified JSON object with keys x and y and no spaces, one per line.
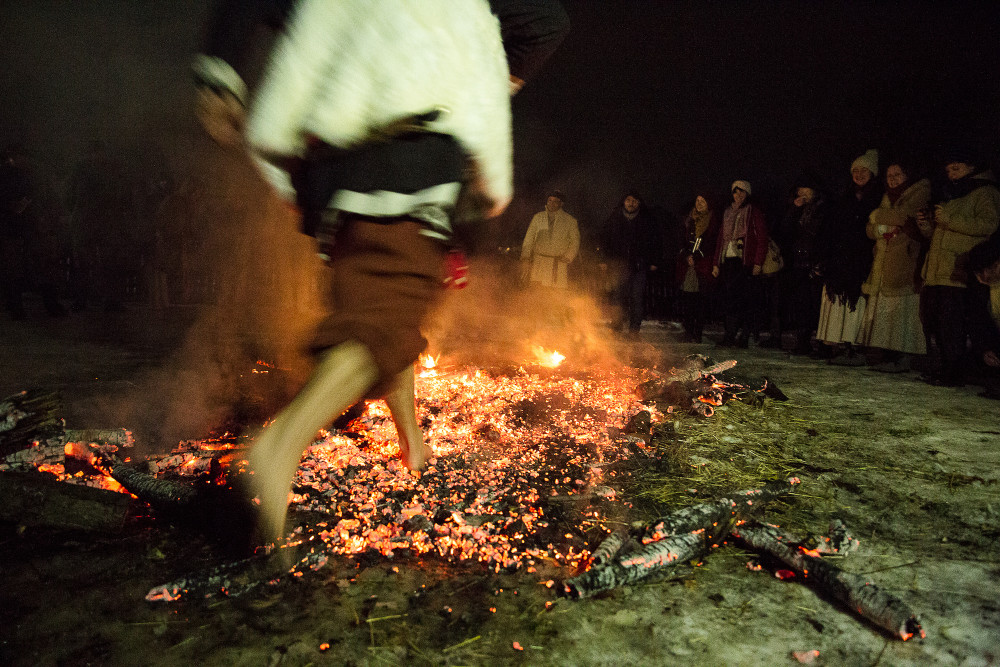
{"x":496,"y":322}
{"x":260,"y":290}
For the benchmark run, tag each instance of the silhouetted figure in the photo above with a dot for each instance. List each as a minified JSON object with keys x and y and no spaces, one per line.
{"x":29,"y":243}
{"x":632,"y":247}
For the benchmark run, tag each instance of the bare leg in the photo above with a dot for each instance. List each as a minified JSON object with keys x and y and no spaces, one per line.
{"x":402,"y":404}
{"x":342,"y":377}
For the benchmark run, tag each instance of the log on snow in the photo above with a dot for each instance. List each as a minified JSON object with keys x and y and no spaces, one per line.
{"x":853,"y":590}
{"x":638,"y":563}
{"x":684,"y":535}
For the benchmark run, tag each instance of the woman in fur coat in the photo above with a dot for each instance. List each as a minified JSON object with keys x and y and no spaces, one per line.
{"x":892,"y":313}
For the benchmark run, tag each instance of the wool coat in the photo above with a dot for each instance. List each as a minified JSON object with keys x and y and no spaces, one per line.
{"x":898,"y":242}
{"x":342,"y":71}
{"x":550,"y":249}
{"x":967,"y":222}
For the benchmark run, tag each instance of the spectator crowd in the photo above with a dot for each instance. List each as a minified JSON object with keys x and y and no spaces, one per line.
{"x":898,"y":269}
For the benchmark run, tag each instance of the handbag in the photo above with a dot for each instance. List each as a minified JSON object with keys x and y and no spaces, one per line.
{"x":773,"y":262}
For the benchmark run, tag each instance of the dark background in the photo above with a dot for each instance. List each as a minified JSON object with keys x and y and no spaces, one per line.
{"x":661,"y":96}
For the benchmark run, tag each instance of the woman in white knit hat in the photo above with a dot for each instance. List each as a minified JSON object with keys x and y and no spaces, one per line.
{"x":739,"y":258}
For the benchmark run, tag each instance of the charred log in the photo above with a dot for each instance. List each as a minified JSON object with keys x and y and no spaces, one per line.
{"x":675,"y":539}
{"x":638,"y":564}
{"x":853,"y":590}
{"x":721,"y":511}
{"x":27,"y":417}
{"x":37,"y":500}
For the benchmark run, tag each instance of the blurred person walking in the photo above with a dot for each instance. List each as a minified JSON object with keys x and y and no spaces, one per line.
{"x":377,"y":171}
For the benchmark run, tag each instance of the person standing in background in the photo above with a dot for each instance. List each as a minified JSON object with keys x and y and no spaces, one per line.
{"x":550,"y":245}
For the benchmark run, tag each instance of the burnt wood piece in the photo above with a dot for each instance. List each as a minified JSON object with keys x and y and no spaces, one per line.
{"x":670,"y":541}
{"x":742,"y":504}
{"x":669,"y":386}
{"x":855,"y":591}
{"x":161,"y":494}
{"x":637,"y":564}
{"x":246,"y":575}
{"x":33,"y":499}
{"x":26,"y":417}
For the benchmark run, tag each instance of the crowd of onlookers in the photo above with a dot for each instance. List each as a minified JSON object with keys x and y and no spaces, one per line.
{"x":896,"y":271}
{"x":115,"y":229}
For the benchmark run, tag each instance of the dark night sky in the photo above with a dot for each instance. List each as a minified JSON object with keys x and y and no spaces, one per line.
{"x":662,"y":96}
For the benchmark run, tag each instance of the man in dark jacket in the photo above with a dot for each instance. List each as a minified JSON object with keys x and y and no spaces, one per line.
{"x":799,"y":288}
{"x":632,"y":247}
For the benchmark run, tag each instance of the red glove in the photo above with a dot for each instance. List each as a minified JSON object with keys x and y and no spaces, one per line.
{"x":456,"y":270}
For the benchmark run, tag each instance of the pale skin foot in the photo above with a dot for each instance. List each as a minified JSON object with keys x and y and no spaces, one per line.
{"x":344,"y":374}
{"x":401,"y":399}
{"x":342,"y":377}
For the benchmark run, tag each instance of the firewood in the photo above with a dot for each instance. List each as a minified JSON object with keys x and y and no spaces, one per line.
{"x":159,"y":493}
{"x":638,"y":564}
{"x":855,"y":591}
{"x":670,"y":541}
{"x":704,"y":515}
{"x":30,"y":499}
{"x":26,"y":417}
{"x":671,"y":387}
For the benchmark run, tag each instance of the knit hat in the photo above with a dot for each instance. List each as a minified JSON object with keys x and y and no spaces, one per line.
{"x":961,"y":153}
{"x":742,"y":185}
{"x":869,"y":161}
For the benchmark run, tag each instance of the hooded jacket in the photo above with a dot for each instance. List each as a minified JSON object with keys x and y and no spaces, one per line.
{"x":897,"y":253}
{"x":967,"y":221}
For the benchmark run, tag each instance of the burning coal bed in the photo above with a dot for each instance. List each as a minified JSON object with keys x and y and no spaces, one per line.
{"x":514,"y":453}
{"x":526,"y":464}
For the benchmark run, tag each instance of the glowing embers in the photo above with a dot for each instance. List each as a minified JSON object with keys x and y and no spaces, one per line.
{"x":510,"y":451}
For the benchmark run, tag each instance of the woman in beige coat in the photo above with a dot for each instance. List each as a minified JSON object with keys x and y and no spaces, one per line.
{"x":892,"y":314}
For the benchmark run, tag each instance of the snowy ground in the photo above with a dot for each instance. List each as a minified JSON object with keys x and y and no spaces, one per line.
{"x":912,"y":469}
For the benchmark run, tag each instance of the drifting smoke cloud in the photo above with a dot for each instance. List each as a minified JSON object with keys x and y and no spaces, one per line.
{"x":242,"y":358}
{"x":496,"y":321}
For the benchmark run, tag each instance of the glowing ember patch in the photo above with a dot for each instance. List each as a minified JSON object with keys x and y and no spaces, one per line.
{"x":784,"y":574}
{"x":805,"y":657}
{"x":517,"y":646}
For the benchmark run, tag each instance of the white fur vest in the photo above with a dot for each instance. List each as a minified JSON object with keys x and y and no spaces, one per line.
{"x":343,"y":69}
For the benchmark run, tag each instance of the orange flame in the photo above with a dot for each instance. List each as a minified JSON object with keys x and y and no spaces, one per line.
{"x":546,"y":358}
